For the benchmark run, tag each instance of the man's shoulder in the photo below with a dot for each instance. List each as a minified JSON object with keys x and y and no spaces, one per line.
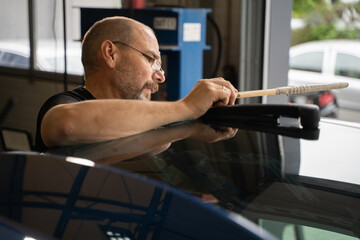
{"x":77,"y":94}
{"x":81,"y":93}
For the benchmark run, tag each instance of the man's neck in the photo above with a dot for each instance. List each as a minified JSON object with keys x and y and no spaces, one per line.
{"x":99,"y":88}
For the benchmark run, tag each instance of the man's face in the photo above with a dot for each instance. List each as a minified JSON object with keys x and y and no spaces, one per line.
{"x":135,"y":77}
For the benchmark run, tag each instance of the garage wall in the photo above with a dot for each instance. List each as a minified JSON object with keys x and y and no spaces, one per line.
{"x":28,"y":96}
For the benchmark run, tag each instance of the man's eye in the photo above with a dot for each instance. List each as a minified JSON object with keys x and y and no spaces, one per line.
{"x":148,"y":58}
{"x":151,"y":60}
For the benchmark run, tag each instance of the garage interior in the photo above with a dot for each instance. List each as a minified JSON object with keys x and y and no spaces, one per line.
{"x":249,"y":42}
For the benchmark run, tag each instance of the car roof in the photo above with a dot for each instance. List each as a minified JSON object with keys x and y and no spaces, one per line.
{"x":340,"y":44}
{"x":253,"y":174}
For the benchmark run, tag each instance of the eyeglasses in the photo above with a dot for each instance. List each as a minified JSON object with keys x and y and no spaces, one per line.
{"x":155,"y":64}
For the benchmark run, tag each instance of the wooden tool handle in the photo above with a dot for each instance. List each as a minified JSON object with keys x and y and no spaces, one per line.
{"x":292,"y":90}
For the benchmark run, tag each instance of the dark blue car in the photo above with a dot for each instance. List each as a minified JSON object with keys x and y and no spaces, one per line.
{"x":243,"y":172}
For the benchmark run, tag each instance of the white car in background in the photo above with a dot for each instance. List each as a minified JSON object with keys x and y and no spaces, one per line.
{"x":49,"y":56}
{"x":328,"y":61}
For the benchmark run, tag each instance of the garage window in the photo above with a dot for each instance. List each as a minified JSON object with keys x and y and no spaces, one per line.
{"x":14,"y":35}
{"x":32,"y":35}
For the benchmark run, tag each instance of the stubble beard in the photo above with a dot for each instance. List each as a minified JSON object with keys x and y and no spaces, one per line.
{"x":131,"y":91}
{"x":140,"y":96}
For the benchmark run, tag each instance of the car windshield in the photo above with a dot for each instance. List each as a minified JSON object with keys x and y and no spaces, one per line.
{"x":273,"y":180}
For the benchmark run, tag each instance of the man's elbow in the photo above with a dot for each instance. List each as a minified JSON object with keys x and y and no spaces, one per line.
{"x":57,"y":127}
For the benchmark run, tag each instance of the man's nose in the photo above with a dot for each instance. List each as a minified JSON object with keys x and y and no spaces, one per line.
{"x":159,"y":76}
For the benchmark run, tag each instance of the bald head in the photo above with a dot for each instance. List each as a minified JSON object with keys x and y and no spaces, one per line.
{"x":111,"y":28}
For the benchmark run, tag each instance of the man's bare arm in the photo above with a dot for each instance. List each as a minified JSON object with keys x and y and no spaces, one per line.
{"x":100,"y":120}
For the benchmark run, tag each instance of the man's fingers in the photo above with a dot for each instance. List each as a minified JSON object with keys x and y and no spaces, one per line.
{"x":227,"y":95}
{"x":210,"y":92}
{"x":227,"y":87}
{"x":223,"y":97}
{"x":223,"y":82}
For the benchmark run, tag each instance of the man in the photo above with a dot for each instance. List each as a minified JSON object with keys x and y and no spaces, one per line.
{"x":122,"y":65}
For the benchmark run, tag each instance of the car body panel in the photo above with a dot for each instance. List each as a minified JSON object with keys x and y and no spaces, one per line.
{"x":63,"y":200}
{"x":223,"y":174}
{"x":348,"y":97}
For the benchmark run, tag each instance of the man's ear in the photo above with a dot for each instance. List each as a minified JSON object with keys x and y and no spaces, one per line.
{"x":108,"y":53}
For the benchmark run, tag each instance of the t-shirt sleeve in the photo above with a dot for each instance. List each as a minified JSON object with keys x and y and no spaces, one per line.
{"x":50,"y":103}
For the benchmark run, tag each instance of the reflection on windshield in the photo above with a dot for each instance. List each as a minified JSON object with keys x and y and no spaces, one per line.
{"x":340,"y":163}
{"x":71,"y":201}
{"x":250,"y":173}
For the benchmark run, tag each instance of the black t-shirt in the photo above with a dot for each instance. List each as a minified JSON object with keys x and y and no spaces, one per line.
{"x":77,"y":95}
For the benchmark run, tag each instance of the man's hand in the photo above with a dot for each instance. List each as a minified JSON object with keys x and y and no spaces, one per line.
{"x":206,"y":133}
{"x":208,"y":93}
